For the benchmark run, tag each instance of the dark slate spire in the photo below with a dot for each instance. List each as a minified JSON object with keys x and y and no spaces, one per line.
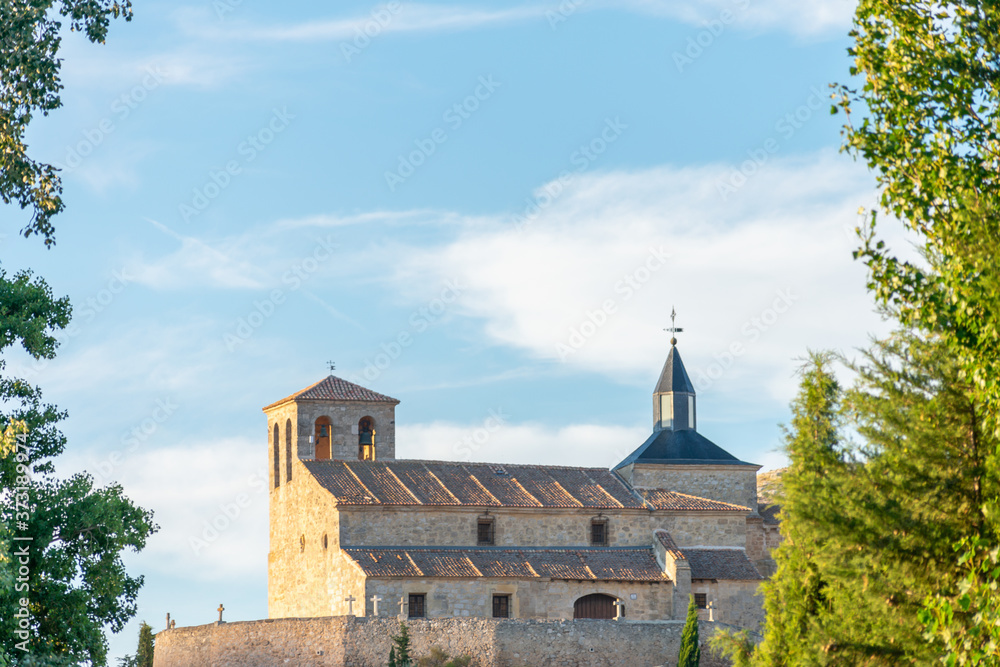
{"x":674,"y":377}
{"x":675,"y":439}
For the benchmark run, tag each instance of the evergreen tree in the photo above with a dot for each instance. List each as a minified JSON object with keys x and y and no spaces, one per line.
{"x":399,"y":654}
{"x":870,"y":525}
{"x":144,"y":653}
{"x":690,"y":653}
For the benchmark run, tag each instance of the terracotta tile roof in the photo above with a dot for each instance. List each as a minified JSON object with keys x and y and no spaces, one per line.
{"x":662,"y":499}
{"x":720,"y":563}
{"x":770,"y":513}
{"x":410,"y":482}
{"x":669,"y":544}
{"x":596,"y":564}
{"x":333,"y":388}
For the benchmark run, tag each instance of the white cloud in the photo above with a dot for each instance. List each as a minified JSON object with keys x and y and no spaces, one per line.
{"x":804,"y":19}
{"x":767,"y":268}
{"x":411,"y":17}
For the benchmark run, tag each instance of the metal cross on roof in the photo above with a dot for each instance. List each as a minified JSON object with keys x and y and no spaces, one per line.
{"x":332,"y":365}
{"x":673,"y":328}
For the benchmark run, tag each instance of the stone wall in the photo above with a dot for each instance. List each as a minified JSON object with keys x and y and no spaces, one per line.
{"x":381,"y":525}
{"x":344,"y":417}
{"x":299,"y":564}
{"x":727,"y":483}
{"x":365,"y":642}
{"x":530,"y":599}
{"x":737,"y":603}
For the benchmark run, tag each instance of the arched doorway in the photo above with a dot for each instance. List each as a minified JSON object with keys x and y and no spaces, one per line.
{"x":324,"y":429}
{"x":596,"y":605}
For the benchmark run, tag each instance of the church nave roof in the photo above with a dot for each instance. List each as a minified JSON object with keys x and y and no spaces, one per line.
{"x":579,"y":564}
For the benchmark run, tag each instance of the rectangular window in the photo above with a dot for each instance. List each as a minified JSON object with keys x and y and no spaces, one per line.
{"x":484,"y":532}
{"x":667,"y":410}
{"x":691,"y":412}
{"x":417,"y":606}
{"x":599,"y":533}
{"x":701,"y":600}
{"x":501,"y":606}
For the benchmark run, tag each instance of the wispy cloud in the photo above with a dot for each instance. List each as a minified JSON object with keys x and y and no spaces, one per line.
{"x":804,"y":19}
{"x":412,"y":17}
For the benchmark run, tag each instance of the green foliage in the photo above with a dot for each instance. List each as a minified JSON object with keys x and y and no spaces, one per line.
{"x":869,"y":526}
{"x":29,"y":68}
{"x":76,"y":583}
{"x":439,"y":658}
{"x":932,"y":95}
{"x":690,"y":653}
{"x":144,"y":652}
{"x":399,"y":654}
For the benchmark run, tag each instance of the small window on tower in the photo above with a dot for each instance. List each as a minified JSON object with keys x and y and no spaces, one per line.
{"x":322,"y":438}
{"x":701,"y":600}
{"x":484,"y":531}
{"x":599,"y":532}
{"x":691,"y":412}
{"x":366,"y":439}
{"x":667,"y":410}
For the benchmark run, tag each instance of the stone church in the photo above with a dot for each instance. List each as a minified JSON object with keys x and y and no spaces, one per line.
{"x":354,"y":530}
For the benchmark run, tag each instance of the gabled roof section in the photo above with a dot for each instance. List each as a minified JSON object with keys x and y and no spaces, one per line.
{"x":680,"y":447}
{"x":664,"y":499}
{"x":673,"y":377}
{"x":730,"y":563}
{"x":579,"y":564}
{"x":333,"y":388}
{"x":440,"y":483}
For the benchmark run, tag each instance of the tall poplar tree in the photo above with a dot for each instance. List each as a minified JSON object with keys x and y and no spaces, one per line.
{"x":690,"y":652}
{"x":930,"y":95}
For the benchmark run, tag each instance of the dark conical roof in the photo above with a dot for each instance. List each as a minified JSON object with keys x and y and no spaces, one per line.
{"x":674,"y":377}
{"x":680,"y":447}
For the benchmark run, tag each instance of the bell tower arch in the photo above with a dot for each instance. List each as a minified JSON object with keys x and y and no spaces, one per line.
{"x":334,"y":419}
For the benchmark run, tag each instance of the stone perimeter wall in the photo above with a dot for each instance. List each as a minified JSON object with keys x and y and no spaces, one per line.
{"x":346,"y":641}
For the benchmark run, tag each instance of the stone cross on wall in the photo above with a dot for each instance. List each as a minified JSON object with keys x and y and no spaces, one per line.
{"x":711,"y":611}
{"x":402,"y":607}
{"x":350,"y":600}
{"x":375,"y":600}
{"x":220,"y":610}
{"x":619,"y":609}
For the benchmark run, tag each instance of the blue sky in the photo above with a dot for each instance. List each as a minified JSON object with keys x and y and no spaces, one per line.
{"x":519,"y":192}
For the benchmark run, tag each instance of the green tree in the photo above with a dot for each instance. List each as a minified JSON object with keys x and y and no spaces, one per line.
{"x":74,"y":533}
{"x":439,"y":658}
{"x":931,"y":93}
{"x":29,"y":69}
{"x":144,"y":652}
{"x":870,"y":523}
{"x":399,"y":654}
{"x":690,"y":653}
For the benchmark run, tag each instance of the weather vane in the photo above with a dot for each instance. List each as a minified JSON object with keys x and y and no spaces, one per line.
{"x":332,"y":365}
{"x":673,"y":326}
